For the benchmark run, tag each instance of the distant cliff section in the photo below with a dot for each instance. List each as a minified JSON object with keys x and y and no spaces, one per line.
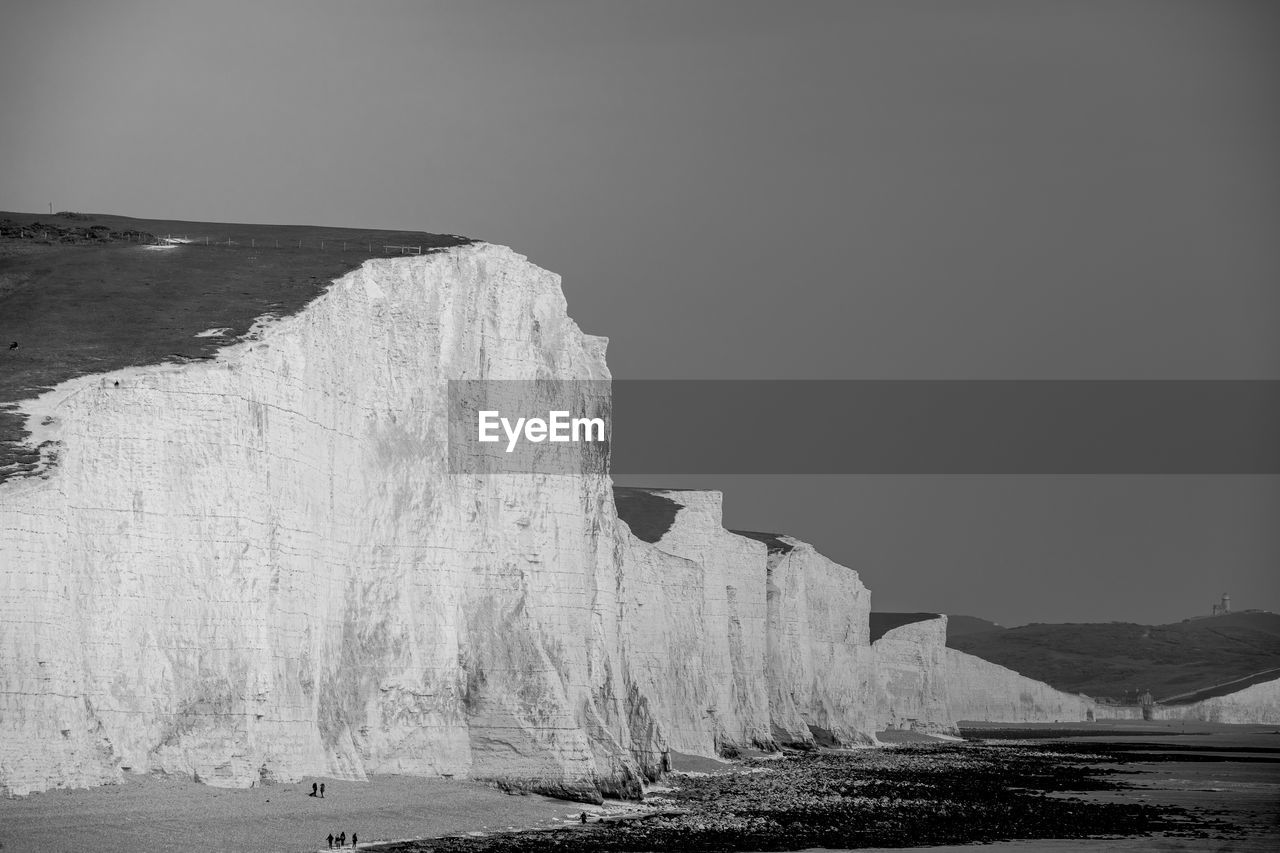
{"x":1257,"y":704}
{"x":925,"y":685}
{"x":771,"y":634}
{"x":1122,"y":660}
{"x":911,"y":672}
{"x":979,"y":690}
{"x":820,"y":664}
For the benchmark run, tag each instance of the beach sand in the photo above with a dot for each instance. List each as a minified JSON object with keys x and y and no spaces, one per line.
{"x":1229,"y":772}
{"x":160,"y":815}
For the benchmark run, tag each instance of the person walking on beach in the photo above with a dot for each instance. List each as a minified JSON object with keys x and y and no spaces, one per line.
{"x":342,"y":839}
{"x":313,"y":789}
{"x":330,"y":837}
{"x":321,"y":790}
{"x":354,"y":840}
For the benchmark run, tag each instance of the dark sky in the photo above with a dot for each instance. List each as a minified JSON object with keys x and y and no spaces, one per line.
{"x":767,"y":190}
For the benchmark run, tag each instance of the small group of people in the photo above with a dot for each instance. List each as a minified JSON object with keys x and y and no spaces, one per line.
{"x":340,"y":840}
{"x":314,"y":790}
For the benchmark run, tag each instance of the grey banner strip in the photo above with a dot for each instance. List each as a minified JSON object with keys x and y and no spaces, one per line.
{"x":933,"y":427}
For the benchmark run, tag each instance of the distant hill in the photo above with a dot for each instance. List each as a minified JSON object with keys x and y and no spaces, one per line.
{"x":1193,"y":658}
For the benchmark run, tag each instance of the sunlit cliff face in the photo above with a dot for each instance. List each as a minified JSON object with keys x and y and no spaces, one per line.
{"x":260,"y":567}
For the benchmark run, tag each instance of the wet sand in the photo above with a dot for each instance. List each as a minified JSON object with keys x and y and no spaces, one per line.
{"x":1231,"y":772}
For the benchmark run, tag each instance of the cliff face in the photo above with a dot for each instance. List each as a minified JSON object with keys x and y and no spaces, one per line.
{"x":981,"y":690}
{"x":260,"y":567}
{"x":740,"y":639}
{"x":921,"y":689}
{"x":820,"y":663}
{"x":1259,"y":704}
{"x":911,"y":677}
{"x":696,"y":624}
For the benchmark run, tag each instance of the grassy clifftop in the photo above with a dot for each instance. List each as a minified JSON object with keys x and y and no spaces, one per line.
{"x":88,"y":293}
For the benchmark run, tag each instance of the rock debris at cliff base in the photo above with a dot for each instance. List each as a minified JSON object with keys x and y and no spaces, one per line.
{"x":906,"y":796}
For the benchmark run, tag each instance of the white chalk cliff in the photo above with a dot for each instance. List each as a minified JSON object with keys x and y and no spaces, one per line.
{"x":770,"y":638}
{"x":924,"y":686}
{"x":261,"y":568}
{"x":1257,"y":704}
{"x":820,"y":664}
{"x":695,"y":622}
{"x":911,"y":677}
{"x":980,"y":690}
